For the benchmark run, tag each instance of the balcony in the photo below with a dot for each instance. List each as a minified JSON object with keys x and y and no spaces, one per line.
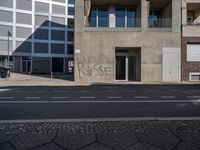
{"x":114,"y":23}
{"x":191,"y":22}
{"x":160,"y":23}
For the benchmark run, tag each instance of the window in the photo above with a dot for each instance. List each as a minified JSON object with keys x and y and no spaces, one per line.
{"x":57,"y":48}
{"x":132,"y":21}
{"x":70,"y":1}
{"x":58,"y":22}
{"x":70,"y":36}
{"x":41,"y":20}
{"x":58,"y":9}
{"x":41,"y":48}
{"x":23,"y":47}
{"x":70,"y":23}
{"x":93,"y":18}
{"x":27,"y":5}
{"x":6,"y":16}
{"x":70,"y":49}
{"x":41,"y":7}
{"x":57,"y":35}
{"x":193,"y":52}
{"x":41,"y":34}
{"x":23,"y":18}
{"x":103,"y":20}
{"x":71,"y":11}
{"x":120,"y":17}
{"x":155,"y":17}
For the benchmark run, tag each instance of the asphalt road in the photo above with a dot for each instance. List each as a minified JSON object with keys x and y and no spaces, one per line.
{"x":20,"y":103}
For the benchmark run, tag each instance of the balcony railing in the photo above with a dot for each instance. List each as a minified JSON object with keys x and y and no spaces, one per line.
{"x":160,"y":23}
{"x":117,"y":22}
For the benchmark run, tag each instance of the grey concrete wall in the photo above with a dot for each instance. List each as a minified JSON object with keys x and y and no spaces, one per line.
{"x":96,"y":60}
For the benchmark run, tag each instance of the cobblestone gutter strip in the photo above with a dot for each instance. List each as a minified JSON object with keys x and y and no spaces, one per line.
{"x":116,"y":135}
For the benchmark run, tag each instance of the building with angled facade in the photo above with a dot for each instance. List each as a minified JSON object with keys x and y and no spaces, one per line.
{"x":41,"y":35}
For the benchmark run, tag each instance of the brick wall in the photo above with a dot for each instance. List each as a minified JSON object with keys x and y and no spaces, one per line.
{"x":188,"y":67}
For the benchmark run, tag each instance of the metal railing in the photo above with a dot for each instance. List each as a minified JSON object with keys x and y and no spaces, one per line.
{"x":127,"y":22}
{"x":160,"y":23}
{"x":117,"y":22}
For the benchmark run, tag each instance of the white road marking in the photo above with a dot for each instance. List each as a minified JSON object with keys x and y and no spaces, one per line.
{"x":152,"y":90}
{"x":68,"y":102}
{"x":141,"y":97}
{"x":129,"y":91}
{"x":3,"y":90}
{"x":32,"y":97}
{"x":84,"y":91}
{"x":167,"y":97}
{"x":60,"y":97}
{"x":20,"y":91}
{"x":114,"y":97}
{"x":193,"y":96}
{"x":88,"y":97}
{"x":109,"y":91}
{"x":6,"y":97}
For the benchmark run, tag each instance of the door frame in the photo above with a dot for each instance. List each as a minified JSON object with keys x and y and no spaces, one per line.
{"x":125,"y":54}
{"x":26,"y":61}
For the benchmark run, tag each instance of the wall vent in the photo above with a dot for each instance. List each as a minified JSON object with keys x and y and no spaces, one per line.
{"x":195,"y":76}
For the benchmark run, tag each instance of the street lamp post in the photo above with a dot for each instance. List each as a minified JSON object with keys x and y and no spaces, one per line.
{"x":8,"y":63}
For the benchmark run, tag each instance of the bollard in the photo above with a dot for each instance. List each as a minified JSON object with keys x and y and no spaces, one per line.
{"x":51,"y":76}
{"x":29,"y":75}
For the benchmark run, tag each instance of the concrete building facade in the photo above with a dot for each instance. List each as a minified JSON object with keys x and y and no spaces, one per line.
{"x":191,"y":40}
{"x":41,"y":35}
{"x":127,"y":40}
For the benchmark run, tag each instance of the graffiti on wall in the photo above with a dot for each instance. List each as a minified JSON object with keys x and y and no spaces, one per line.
{"x":95,"y":71}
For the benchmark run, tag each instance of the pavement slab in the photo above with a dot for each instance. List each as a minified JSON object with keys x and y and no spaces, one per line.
{"x":50,"y":146}
{"x":96,"y":146}
{"x":164,"y":139}
{"x":187,"y":146}
{"x":193,"y":137}
{"x":117,"y":141}
{"x":7,"y":146}
{"x":73,"y":142}
{"x":142,"y":146}
{"x":101,"y":135}
{"x":26,"y":141}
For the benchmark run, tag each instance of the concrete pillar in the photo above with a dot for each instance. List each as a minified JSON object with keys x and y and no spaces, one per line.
{"x":176,"y":15}
{"x":184,"y":13}
{"x":144,"y":15}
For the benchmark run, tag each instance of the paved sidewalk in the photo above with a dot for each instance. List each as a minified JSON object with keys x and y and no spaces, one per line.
{"x":18,"y":79}
{"x":127,"y":135}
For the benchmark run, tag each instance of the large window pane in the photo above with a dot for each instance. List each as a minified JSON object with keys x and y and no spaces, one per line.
{"x":93,"y":18}
{"x":120,"y":17}
{"x":132,"y":21}
{"x":102,"y":17}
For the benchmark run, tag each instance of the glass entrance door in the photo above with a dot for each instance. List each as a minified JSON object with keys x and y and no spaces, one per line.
{"x":126,"y":68}
{"x":120,"y":67}
{"x":26,"y":64}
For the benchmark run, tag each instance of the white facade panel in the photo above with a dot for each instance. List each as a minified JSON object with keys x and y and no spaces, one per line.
{"x":193,"y":52}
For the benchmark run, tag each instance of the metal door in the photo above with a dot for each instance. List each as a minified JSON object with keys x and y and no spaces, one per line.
{"x":171,"y":64}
